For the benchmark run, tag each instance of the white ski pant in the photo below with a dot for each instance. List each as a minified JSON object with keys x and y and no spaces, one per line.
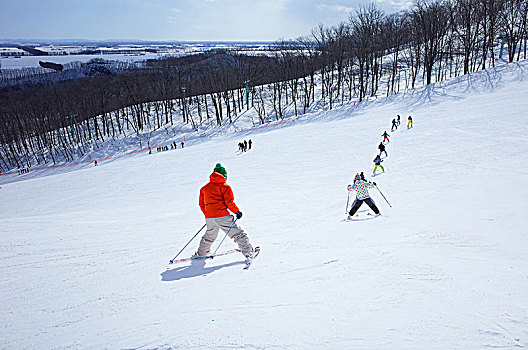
{"x":224,"y":223}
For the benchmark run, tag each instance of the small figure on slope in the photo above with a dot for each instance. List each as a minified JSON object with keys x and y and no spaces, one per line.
{"x":398,"y":120}
{"x":409,"y":122}
{"x":215,"y":199}
{"x":394,"y":125}
{"x":377,"y":162}
{"x":362,"y":196}
{"x":385,"y":136}
{"x":381,"y":148}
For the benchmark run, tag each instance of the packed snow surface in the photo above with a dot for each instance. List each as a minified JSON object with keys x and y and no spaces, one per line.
{"x":84,"y":254}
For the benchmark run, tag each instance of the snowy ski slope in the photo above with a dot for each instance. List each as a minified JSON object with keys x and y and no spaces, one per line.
{"x":84,"y":254}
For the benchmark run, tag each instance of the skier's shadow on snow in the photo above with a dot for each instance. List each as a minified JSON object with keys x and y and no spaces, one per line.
{"x":196,"y":269}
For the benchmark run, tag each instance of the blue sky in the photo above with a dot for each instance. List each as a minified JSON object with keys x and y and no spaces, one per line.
{"x":188,"y":20}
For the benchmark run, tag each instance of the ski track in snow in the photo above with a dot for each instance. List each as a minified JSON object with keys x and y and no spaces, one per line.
{"x":84,"y":253}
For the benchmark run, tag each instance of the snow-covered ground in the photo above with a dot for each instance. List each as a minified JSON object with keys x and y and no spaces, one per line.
{"x":84,"y":254}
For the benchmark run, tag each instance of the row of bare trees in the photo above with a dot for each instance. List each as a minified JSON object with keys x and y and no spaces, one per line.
{"x":370,"y":54}
{"x":433,"y":39}
{"x":29,"y":76}
{"x":62,"y":121}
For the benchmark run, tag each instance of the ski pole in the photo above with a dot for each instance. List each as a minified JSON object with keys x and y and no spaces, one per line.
{"x":170,"y":262}
{"x":383,"y":196}
{"x":225,"y":236}
{"x":346,"y":209}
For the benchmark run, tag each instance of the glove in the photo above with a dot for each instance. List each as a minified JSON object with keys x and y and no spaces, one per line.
{"x":349,"y":187}
{"x":238,"y":214}
{"x":374,"y":184}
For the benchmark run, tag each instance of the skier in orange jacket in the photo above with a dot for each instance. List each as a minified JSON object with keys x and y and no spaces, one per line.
{"x":216,"y":200}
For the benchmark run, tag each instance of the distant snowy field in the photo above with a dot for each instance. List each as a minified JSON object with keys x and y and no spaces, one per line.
{"x":12,"y":62}
{"x":84,"y":254}
{"x":33,"y":61}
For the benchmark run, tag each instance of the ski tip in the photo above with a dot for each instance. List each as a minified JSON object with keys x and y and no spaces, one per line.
{"x":256,"y":251}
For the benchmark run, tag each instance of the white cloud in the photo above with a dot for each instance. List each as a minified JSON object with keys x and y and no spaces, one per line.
{"x":276,"y":4}
{"x":399,"y":4}
{"x":335,"y":8}
{"x":173,"y":17}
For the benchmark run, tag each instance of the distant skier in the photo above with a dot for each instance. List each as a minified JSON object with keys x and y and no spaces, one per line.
{"x":377,"y":162}
{"x":249,"y":143}
{"x":381,"y":148}
{"x":241,"y":147}
{"x":362,"y":176}
{"x":362,"y":195}
{"x":385,"y":136}
{"x":215,"y":199}
{"x":95,"y":162}
{"x":182,"y":144}
{"x":394,"y":125}
{"x":409,"y":122}
{"x":398,"y":120}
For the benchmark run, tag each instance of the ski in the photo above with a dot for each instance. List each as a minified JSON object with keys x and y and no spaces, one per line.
{"x":225,"y":253}
{"x":368,"y":216}
{"x":205,"y":257}
{"x":248,"y":263}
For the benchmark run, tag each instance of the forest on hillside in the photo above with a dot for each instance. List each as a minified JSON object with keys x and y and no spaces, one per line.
{"x":371,"y":54}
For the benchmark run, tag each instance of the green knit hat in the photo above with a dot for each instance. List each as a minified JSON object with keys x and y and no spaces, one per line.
{"x":220,"y":169}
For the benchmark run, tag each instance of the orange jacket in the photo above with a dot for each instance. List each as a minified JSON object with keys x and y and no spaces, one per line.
{"x":216,"y":197}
